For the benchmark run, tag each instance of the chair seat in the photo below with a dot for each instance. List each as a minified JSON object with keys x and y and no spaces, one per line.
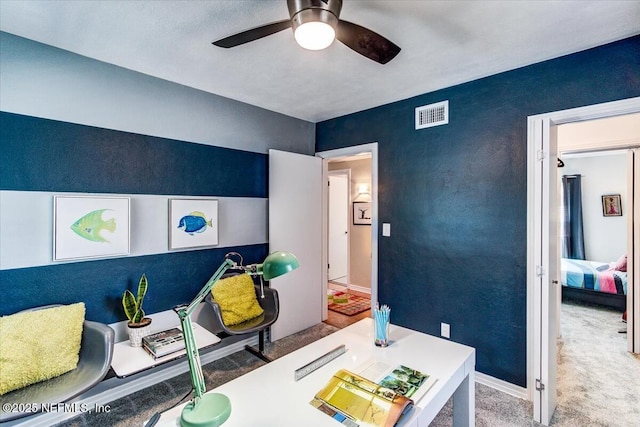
{"x":270,"y":305}
{"x":96,"y":351}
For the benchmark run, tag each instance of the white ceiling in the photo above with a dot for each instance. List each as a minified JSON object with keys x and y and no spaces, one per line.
{"x":443,"y":43}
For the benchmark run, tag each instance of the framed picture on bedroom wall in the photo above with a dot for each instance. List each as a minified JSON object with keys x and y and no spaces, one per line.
{"x":90,"y":227}
{"x":193,"y":223}
{"x":611,"y":205}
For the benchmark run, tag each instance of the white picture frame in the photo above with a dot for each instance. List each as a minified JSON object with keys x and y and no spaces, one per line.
{"x":90,"y":227}
{"x":193,"y":223}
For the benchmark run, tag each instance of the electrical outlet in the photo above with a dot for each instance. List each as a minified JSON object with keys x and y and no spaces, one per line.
{"x":445,"y":330}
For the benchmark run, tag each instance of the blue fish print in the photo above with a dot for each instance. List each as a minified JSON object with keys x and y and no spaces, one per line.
{"x":195,"y":222}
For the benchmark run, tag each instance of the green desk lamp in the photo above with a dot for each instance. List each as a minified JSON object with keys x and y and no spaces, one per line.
{"x":213,"y":409}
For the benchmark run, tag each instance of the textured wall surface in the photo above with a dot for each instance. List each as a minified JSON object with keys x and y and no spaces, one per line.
{"x":71,"y":125}
{"x":45,"y":155}
{"x":48,"y":155}
{"x":43,"y":81}
{"x":456,"y":196}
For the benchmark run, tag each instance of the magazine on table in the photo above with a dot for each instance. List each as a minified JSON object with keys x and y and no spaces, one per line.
{"x":165,"y":342}
{"x":356,"y":401}
{"x":377,"y":394}
{"x":397,"y":377}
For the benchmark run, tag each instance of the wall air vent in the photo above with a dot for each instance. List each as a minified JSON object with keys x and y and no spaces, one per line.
{"x":432,"y":115}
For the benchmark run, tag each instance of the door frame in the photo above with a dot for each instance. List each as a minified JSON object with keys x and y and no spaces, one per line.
{"x":544,"y":260}
{"x":597,"y":111}
{"x":372,"y":150}
{"x":346,"y":173}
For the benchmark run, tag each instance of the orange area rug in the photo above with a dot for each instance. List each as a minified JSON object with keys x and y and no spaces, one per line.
{"x":349,"y":304}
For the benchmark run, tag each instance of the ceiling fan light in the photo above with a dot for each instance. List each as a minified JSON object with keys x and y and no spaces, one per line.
{"x":314,"y":28}
{"x":315,"y":35}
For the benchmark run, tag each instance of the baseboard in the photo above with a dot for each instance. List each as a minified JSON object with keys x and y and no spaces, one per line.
{"x":503,"y":386}
{"x":362,"y":289}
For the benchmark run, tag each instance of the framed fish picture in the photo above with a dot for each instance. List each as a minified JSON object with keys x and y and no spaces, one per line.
{"x":90,"y":227}
{"x":193,"y":223}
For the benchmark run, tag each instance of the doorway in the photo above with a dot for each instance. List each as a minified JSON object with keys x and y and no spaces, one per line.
{"x":370,"y":283}
{"x":542,"y":276}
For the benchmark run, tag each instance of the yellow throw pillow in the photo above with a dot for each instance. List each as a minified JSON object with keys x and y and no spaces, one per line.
{"x":236,"y":297}
{"x":39,"y":345}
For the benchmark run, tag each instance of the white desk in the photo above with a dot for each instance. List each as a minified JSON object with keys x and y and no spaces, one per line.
{"x":269,"y":396}
{"x":129,"y":360}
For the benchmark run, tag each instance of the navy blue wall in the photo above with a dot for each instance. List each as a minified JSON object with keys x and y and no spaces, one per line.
{"x":174,"y":278}
{"x":456,"y":196}
{"x":47,"y":155}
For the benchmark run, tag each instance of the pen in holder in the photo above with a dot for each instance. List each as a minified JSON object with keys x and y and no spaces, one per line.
{"x":381,"y":322}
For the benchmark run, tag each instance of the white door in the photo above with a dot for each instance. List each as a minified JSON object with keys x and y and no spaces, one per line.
{"x":338,"y":226}
{"x":545,"y":258}
{"x":295,"y":225}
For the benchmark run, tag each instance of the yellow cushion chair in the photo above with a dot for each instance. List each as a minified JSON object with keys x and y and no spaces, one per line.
{"x":239,"y":308}
{"x":67,"y":328}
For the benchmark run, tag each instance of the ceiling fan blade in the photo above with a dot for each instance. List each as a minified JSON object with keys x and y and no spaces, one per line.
{"x":253,"y":34}
{"x":366,"y":42}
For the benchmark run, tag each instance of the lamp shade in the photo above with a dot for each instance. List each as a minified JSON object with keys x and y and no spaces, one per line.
{"x":278,"y":263}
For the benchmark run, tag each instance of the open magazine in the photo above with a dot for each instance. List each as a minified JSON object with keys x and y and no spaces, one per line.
{"x":399,"y":378}
{"x":376,"y":397}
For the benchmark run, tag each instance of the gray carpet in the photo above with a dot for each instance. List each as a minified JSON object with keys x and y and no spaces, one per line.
{"x":598,"y":381}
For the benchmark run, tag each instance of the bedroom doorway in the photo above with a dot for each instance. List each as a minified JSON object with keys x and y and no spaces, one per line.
{"x":593,"y":239}
{"x":599,"y":153}
{"x":542,"y":273}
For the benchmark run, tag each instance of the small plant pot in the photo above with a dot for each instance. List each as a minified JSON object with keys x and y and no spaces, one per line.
{"x":138,"y":330}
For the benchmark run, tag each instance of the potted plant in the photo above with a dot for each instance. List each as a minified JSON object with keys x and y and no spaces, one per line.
{"x":138,"y":325}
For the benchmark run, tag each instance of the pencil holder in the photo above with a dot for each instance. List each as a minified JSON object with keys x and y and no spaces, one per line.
{"x":381,"y":328}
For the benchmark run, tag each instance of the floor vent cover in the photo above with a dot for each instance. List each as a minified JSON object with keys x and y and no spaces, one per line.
{"x":432,"y":115}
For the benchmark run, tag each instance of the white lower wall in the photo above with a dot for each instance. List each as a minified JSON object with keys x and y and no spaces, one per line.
{"x":26,"y":225}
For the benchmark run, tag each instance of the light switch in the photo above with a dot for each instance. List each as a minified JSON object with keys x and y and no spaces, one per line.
{"x":445,"y":330}
{"x":386,"y":229}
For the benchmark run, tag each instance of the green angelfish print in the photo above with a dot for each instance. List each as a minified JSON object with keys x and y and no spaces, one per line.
{"x":89,"y":226}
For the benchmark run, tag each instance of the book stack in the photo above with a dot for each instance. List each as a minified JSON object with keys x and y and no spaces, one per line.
{"x":163,"y":343}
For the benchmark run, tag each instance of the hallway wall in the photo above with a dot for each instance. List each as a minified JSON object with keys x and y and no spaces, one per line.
{"x":359,"y":235}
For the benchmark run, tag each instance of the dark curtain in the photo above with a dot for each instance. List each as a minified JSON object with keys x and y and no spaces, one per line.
{"x":573,"y":235}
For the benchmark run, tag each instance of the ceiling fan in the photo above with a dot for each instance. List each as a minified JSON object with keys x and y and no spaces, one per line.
{"x":315,"y":24}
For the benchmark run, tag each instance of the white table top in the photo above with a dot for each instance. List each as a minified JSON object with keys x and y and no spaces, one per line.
{"x":129,"y":360}
{"x":270,"y":397}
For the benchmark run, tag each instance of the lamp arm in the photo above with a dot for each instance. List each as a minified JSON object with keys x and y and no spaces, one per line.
{"x":227,"y":264}
{"x":191,"y":347}
{"x":193,"y":356}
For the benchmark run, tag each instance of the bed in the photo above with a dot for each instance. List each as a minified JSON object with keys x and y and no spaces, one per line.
{"x":596,"y":282}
